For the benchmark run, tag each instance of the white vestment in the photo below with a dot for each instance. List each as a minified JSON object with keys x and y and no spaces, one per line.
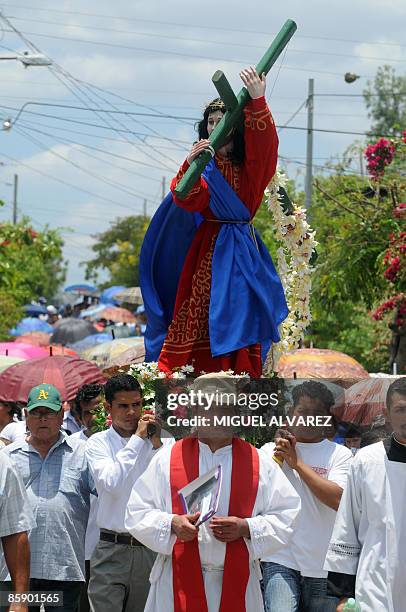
{"x":369,"y":536}
{"x":149,"y":516}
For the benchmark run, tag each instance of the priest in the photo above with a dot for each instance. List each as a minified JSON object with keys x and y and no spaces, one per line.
{"x":367,"y":553}
{"x":214,"y":567}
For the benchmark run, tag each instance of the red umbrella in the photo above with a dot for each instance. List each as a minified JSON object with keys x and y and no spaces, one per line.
{"x":67,"y":374}
{"x":364,"y":401}
{"x":34,"y":338}
{"x":25,"y":351}
{"x":58,"y":349}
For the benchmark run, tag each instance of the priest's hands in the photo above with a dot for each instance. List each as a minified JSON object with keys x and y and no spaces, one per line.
{"x":255,"y":84}
{"x":183,"y":526}
{"x":229,"y":528}
{"x":197,"y":148}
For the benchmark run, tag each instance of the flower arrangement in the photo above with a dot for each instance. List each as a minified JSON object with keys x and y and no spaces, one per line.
{"x":298,"y":243}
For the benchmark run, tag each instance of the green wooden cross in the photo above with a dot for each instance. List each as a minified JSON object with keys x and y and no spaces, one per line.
{"x":234,"y":110}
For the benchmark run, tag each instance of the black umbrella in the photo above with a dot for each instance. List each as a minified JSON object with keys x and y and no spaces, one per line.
{"x":70,"y":330}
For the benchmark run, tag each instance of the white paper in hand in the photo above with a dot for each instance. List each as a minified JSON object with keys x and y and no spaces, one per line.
{"x":202,"y":495}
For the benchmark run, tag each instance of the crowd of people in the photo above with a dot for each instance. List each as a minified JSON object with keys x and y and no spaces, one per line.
{"x":303,"y":523}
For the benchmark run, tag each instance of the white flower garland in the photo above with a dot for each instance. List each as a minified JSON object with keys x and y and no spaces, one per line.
{"x":297,"y":246}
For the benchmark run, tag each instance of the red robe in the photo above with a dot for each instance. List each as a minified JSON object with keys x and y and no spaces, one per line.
{"x":187,"y":341}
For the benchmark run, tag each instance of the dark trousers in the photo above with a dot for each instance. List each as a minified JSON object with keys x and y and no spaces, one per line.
{"x":84,"y":600}
{"x":70,"y":593}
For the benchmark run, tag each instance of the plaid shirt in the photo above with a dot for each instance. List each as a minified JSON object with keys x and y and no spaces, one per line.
{"x":15,"y":514}
{"x":58,"y":489}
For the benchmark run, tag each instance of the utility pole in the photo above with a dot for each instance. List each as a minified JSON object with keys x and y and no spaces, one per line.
{"x":163,"y":187}
{"x":15,"y":199}
{"x":145,"y":208}
{"x":309,"y":145}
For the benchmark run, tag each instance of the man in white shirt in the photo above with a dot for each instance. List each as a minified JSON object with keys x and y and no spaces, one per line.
{"x":87,"y":400}
{"x":120,"y":566}
{"x":317,"y":468}
{"x":367,"y":553}
{"x":215,"y":566}
{"x":13,"y":432}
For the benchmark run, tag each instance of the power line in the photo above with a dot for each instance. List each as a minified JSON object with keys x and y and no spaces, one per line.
{"x":201,"y":40}
{"x":176,"y":53}
{"x":196,"y":26}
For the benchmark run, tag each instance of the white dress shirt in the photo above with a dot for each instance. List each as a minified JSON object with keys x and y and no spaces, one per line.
{"x":116,"y":464}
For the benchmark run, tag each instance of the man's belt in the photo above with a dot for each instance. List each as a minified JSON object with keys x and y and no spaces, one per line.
{"x":119,"y":538}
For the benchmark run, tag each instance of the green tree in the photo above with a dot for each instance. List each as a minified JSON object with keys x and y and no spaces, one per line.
{"x":10,"y":314}
{"x":385,"y":99}
{"x":117,"y":250}
{"x":31,"y":262}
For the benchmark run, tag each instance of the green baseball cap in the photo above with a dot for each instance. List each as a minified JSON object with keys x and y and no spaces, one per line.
{"x":44,"y":396}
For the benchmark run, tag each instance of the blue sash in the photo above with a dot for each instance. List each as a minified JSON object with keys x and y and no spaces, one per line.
{"x":247,"y":301}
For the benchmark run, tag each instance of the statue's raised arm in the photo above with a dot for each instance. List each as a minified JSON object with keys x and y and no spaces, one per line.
{"x":234,"y":105}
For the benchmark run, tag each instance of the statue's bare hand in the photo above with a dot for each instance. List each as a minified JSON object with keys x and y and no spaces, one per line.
{"x":256,"y":85}
{"x":197,"y":148}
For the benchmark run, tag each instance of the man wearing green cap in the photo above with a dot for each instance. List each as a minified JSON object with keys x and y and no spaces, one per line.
{"x":58,"y":483}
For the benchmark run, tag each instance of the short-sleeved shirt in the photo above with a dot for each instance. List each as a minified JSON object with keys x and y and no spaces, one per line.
{"x":58,"y":489}
{"x":15,"y":513}
{"x":314,"y":525}
{"x":14,"y":432}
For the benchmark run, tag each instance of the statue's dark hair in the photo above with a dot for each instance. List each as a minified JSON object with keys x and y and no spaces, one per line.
{"x":238,"y":153}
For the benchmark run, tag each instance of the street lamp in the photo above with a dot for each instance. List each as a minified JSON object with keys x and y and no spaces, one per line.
{"x":29,"y":59}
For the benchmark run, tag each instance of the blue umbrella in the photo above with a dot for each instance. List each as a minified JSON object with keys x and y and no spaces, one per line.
{"x":34,"y":310}
{"x":92,"y":311}
{"x":91,"y":341}
{"x":81,"y":288}
{"x":31,"y":324}
{"x":109,"y":293}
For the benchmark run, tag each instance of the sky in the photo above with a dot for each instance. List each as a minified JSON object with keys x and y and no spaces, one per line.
{"x":138,"y":75}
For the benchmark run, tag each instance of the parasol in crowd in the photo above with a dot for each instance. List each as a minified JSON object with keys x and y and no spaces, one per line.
{"x":67,"y":374}
{"x":34,"y":338}
{"x":80,"y":289}
{"x":109,"y":294}
{"x":6,"y":362}
{"x":319,"y":363}
{"x":365,"y":401}
{"x":105,"y":354}
{"x":70,"y":330}
{"x":117,"y":315}
{"x":34,"y":310}
{"x":130,"y":295}
{"x":91,"y":341}
{"x":31,"y":324}
{"x":25,"y":351}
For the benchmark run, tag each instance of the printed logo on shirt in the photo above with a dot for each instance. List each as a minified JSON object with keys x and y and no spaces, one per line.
{"x":320,"y":471}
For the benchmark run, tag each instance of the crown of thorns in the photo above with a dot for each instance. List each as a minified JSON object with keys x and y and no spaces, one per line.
{"x":216,"y":105}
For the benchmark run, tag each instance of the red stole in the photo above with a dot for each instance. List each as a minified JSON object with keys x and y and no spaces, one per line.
{"x":188,"y":586}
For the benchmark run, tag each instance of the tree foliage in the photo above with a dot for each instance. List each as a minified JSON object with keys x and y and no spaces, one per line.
{"x":117,"y":251}
{"x":385,"y":99}
{"x":31,"y":262}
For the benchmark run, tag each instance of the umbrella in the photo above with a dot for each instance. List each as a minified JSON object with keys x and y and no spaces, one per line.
{"x":70,"y":330}
{"x":59,"y":349}
{"x":319,"y":363}
{"x":135,"y":354}
{"x":25,"y":351}
{"x":31,"y":324}
{"x":80,"y":289}
{"x":365,"y":401}
{"x":108,"y":295}
{"x":34,"y":310}
{"x":118,"y":315}
{"x":67,"y":374}
{"x":130,"y":295}
{"x":34,"y":338}
{"x":91,"y":341}
{"x":92,"y":311}
{"x":105,"y":354}
{"x":120,"y":331}
{"x":6,"y":362}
